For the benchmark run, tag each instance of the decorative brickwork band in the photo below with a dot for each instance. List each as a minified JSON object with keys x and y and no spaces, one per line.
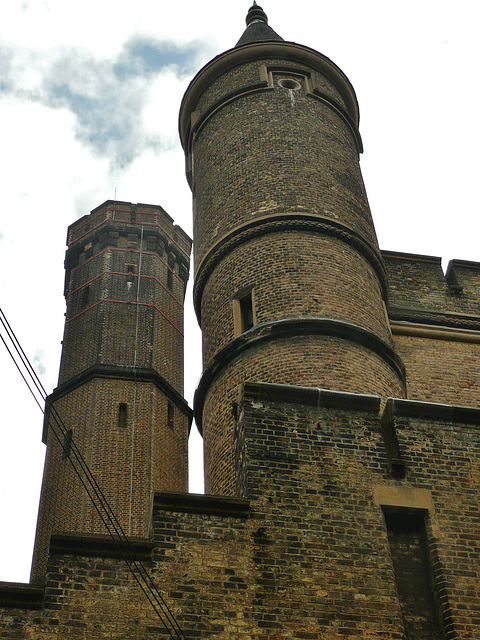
{"x":263,"y":51}
{"x":277,"y":223}
{"x":285,"y":329}
{"x":265,"y":86}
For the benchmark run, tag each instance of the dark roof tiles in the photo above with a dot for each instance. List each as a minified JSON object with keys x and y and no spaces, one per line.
{"x":257,"y":28}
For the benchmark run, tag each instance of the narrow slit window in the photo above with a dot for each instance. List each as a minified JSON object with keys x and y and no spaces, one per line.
{"x":130,"y":269}
{"x":243,"y":312}
{"x":170,"y":278}
{"x":171,"y":415}
{"x":246,"y":312}
{"x":67,"y":444}
{"x":85,"y":296}
{"x":170,"y":271}
{"x":122,"y":415}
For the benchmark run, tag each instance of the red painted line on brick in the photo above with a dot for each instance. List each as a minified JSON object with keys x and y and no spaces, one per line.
{"x":142,"y":304}
{"x":148,"y":253}
{"x":122,"y":273}
{"x":185,"y":251}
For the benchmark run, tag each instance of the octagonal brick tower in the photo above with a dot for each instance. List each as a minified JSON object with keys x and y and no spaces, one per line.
{"x":289,"y":282}
{"x":120,"y":388}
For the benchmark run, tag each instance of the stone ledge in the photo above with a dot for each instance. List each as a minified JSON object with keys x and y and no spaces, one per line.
{"x":200,"y":503}
{"x":419,"y":316}
{"x":17,"y":595}
{"x":98,"y":546}
{"x":286,"y":329}
{"x":321,"y":398}
{"x":430,"y":410}
{"x":434,"y":332}
{"x":116,"y":372}
{"x":410,"y":257}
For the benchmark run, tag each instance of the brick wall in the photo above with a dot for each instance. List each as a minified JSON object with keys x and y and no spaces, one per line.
{"x":306,"y":552}
{"x":435,"y":321}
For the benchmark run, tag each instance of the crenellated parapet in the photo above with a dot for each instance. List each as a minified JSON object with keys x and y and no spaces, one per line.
{"x":420,"y":291}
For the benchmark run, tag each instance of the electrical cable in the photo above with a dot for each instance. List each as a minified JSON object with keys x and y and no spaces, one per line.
{"x":91,"y":486}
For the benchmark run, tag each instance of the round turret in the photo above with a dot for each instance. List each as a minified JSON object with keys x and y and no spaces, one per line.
{"x":289,"y":282}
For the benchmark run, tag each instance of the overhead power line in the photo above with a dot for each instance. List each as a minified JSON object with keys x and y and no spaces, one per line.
{"x":96,"y":495}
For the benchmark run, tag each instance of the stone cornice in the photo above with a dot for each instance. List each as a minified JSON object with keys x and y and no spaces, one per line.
{"x":116,"y":372}
{"x":204,"y":504}
{"x":310,"y":396}
{"x":287,"y":329}
{"x":16,"y":595}
{"x":263,"y":51}
{"x":434,"y":332}
{"x":276,"y":223}
{"x":415,"y":315}
{"x":98,"y":546}
{"x":400,"y":408}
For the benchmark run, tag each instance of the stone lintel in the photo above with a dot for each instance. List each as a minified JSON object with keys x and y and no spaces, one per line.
{"x":100,"y":546}
{"x":18,"y":595}
{"x":403,"y":497}
{"x":199,"y":503}
{"x":320,"y":398}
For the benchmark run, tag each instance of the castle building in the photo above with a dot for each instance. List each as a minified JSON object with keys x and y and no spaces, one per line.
{"x":338,"y":401}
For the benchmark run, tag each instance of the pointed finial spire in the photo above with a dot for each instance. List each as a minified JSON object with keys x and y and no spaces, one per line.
{"x":256,"y":14}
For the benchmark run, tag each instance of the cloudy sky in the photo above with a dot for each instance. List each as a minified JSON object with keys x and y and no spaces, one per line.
{"x":89,"y":98}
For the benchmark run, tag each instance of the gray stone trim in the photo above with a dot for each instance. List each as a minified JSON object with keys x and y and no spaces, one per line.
{"x":286,"y":329}
{"x":310,"y":396}
{"x":401,"y":408}
{"x":204,"y":504}
{"x":434,"y":318}
{"x":98,"y":546}
{"x":16,"y":595}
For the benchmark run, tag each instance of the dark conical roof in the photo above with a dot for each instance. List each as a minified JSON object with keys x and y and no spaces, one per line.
{"x":257,"y":28}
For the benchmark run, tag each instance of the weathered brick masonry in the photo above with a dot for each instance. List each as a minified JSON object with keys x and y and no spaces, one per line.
{"x":304,"y":551}
{"x":338,"y":402}
{"x":120,"y":393}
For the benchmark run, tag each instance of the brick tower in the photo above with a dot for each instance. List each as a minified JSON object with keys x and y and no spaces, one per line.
{"x":290,"y":285}
{"x":342,"y":510}
{"x":121,"y":373}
